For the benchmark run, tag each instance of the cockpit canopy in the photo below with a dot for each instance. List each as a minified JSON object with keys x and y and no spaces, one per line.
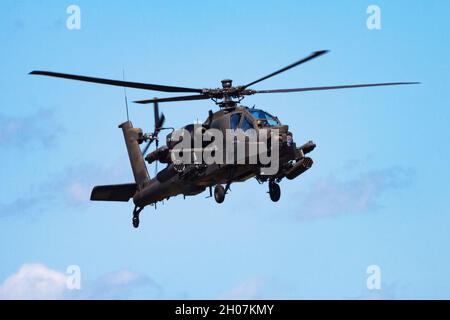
{"x":266,"y":118}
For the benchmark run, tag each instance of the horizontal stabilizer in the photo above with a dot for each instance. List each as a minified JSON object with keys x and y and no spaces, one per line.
{"x":117,"y":192}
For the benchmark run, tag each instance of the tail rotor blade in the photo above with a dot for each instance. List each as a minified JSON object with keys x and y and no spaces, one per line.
{"x":156,"y":162}
{"x":147,"y":146}
{"x":162,"y":120}
{"x":156,"y":113}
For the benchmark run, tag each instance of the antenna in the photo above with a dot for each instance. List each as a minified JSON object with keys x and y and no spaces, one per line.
{"x":125,"y":94}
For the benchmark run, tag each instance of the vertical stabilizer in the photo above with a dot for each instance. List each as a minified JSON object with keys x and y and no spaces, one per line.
{"x":132,"y":138}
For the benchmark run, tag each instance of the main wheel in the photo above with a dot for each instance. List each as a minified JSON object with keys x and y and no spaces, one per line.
{"x":136,"y":221}
{"x":274,"y":191}
{"x":219,"y":193}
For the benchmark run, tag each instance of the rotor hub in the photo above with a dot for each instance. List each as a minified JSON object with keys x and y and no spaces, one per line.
{"x":227,"y":83}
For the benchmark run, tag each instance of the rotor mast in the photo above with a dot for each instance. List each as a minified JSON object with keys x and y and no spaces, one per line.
{"x":228,"y":102}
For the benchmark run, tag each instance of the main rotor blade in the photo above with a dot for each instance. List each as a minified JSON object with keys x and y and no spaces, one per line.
{"x":335,"y":87}
{"x":136,"y":85}
{"x":310,"y":57}
{"x":182,"y":98}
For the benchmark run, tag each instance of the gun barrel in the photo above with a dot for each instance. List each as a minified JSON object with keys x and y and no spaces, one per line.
{"x":308,"y":147}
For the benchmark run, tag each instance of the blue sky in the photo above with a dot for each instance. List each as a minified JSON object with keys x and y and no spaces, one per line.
{"x":378,"y":193}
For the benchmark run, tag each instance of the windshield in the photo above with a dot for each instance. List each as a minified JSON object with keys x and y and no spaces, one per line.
{"x":262,"y":115}
{"x":235,"y":119}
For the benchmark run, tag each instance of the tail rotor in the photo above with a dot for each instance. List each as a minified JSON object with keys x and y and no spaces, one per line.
{"x":160,"y":119}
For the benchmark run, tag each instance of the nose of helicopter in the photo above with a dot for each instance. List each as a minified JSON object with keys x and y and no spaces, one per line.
{"x":282,"y":132}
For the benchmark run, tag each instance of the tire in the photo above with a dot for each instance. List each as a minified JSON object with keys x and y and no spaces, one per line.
{"x":274,"y":192}
{"x":219,"y":193}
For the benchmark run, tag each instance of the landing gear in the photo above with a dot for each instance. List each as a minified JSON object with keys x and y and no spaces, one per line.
{"x":274,"y":191}
{"x":219,"y":193}
{"x":136,"y":213}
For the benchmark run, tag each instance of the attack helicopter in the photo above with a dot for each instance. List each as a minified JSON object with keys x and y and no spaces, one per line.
{"x":189,"y":179}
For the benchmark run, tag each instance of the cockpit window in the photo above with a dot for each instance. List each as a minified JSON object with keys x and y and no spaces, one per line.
{"x":262,"y":115}
{"x":234,"y":121}
{"x":246,"y":124}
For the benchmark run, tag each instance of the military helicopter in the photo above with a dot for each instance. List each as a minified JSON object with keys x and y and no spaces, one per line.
{"x":194,"y":178}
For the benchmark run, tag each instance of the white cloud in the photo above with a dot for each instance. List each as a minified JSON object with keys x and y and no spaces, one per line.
{"x":20,"y":206}
{"x":258,"y":288}
{"x":121,"y":285}
{"x":333,"y":195}
{"x":78,"y":181}
{"x":77,"y":193}
{"x":39,"y":127}
{"x":252,"y":289}
{"x":71,"y":187}
{"x":34,"y":281}
{"x":387,"y":292}
{"x":122,"y":277}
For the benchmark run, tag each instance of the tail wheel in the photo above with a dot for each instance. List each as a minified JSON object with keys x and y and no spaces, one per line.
{"x":136,"y":213}
{"x":219,"y":193}
{"x":274,"y":191}
{"x":136,"y":222}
